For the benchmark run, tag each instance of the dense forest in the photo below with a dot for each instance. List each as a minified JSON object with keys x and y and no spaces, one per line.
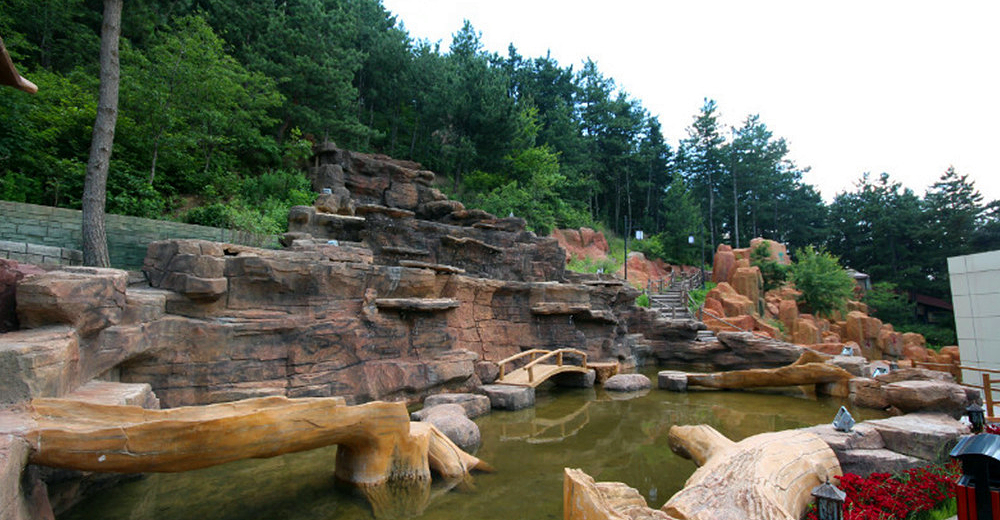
{"x":221,"y":101}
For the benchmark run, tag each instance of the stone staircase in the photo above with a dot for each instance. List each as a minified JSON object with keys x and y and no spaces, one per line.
{"x":706,"y":336}
{"x":672,"y":304}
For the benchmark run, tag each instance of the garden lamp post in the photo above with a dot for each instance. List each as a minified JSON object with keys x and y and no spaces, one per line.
{"x":977,"y":416}
{"x":829,"y":501}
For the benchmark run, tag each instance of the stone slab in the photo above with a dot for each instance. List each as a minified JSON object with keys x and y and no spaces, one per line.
{"x":673,"y":380}
{"x":627,"y":383}
{"x":509,"y":397}
{"x":866,"y":462}
{"x":475,"y":405}
{"x":927,"y":436}
{"x":863,"y":436}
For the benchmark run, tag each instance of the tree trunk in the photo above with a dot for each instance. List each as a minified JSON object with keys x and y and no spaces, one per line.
{"x":95,"y":242}
{"x":736,"y":213}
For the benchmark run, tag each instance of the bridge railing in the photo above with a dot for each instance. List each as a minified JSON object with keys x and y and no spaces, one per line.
{"x":539,"y":355}
{"x":987,"y":388}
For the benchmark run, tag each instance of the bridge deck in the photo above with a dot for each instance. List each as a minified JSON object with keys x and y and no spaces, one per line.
{"x":541,"y":374}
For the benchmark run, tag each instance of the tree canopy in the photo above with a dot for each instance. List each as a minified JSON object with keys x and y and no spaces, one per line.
{"x":220,"y":98}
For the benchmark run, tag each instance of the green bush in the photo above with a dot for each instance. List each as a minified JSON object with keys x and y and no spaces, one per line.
{"x":775,"y":274}
{"x":886,"y":303}
{"x":587,"y":265}
{"x":642,"y":300}
{"x":824,"y":284}
{"x":697,"y":296}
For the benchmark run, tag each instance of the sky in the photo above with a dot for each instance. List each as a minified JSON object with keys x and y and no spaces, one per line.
{"x":904,"y":87}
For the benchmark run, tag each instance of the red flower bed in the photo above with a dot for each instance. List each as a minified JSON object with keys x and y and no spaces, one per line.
{"x":882,"y":496}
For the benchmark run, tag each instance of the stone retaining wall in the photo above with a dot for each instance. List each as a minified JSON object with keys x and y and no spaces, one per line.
{"x":43,"y":234}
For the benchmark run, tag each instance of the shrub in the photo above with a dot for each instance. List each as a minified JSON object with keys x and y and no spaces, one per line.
{"x":642,"y":300}
{"x":774,"y":273}
{"x":824,"y":284}
{"x":889,"y":305}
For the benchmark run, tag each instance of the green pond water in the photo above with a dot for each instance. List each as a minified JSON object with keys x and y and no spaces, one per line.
{"x":613,"y":437}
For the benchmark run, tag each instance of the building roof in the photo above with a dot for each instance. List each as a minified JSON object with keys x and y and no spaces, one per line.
{"x":931,"y":301}
{"x":9,"y":75}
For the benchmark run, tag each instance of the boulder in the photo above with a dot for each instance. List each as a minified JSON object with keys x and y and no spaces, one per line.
{"x":23,"y":495}
{"x":487,"y":371}
{"x":748,"y":282}
{"x":508,"y":397}
{"x":724,"y":264}
{"x":927,"y":396}
{"x":863,"y":436}
{"x":12,"y":272}
{"x":38,"y":363}
{"x":853,"y":364}
{"x":863,"y":330}
{"x":451,"y":420}
{"x":585,"y":499}
{"x":627,"y":383}
{"x":952,"y":353}
{"x":474,"y":405}
{"x":805,"y":333}
{"x":867,"y":393}
{"x":672,"y":380}
{"x":864,"y":462}
{"x":928,"y":436}
{"x":87,"y":298}
{"x":733,"y":303}
{"x":912,"y":339}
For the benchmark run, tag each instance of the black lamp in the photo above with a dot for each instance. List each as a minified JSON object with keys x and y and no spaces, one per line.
{"x":977,"y":416}
{"x":829,"y":501}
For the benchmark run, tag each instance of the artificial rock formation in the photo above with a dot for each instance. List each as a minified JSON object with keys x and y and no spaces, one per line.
{"x":810,"y":369}
{"x":769,"y":475}
{"x":375,"y":439}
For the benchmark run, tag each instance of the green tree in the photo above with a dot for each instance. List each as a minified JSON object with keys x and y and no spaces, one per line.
{"x":878,"y":229}
{"x":195,"y":106}
{"x":952,"y":209}
{"x":824,"y":284}
{"x":889,"y":304}
{"x":701,"y":162}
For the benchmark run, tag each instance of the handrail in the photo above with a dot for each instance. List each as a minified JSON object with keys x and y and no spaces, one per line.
{"x":987,"y":387}
{"x":558,"y":353}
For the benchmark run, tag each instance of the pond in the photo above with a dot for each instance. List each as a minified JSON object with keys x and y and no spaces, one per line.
{"x":612,"y":437}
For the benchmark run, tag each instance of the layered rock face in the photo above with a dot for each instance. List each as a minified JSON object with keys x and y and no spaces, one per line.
{"x":386,"y":291}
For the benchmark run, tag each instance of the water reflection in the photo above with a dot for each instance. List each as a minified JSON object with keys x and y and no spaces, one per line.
{"x":610,"y":439}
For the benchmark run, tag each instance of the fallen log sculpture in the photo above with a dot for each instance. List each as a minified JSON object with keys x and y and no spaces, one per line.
{"x":770,"y":475}
{"x":809,"y":369}
{"x":376,"y":441}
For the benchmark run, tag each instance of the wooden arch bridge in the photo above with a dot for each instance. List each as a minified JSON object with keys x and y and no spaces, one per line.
{"x":541,"y":366}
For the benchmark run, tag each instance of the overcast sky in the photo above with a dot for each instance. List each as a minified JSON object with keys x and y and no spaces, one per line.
{"x":904,"y":87}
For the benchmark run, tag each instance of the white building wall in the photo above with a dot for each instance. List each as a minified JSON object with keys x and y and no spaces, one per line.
{"x":975,"y":293}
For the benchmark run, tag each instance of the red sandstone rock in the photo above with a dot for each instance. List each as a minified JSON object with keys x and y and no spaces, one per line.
{"x":914,"y":339}
{"x":788,"y":314}
{"x":733,"y":303}
{"x":87,"y":298}
{"x":863,"y":330}
{"x":11,"y":273}
{"x":724,"y":264}
{"x":749,"y":282}
{"x":779,"y":253}
{"x":806,"y":332}
{"x":952,"y":353}
{"x":915,"y":353}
